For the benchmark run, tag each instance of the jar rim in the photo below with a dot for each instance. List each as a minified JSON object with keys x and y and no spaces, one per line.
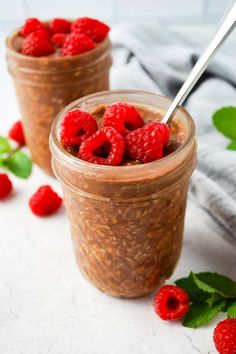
{"x":69,"y":159}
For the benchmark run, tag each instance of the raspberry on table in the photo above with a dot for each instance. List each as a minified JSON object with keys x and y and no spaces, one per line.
{"x":60,"y":25}
{"x":5,"y":185}
{"x":32,"y":25}
{"x":224,"y":336}
{"x":16,"y":133}
{"x":76,"y":44}
{"x":145,"y":144}
{"x":93,"y":28}
{"x":105,"y":147}
{"x":171,"y":302}
{"x":58,"y":39}
{"x":37,"y":44}
{"x":122,"y":117}
{"x":77,"y":126}
{"x":45,"y":201}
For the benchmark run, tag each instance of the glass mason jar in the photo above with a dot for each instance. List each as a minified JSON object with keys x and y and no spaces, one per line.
{"x":126,"y":221}
{"x":45,"y":85}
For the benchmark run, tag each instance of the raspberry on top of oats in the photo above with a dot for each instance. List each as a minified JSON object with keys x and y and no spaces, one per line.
{"x":123,"y":135}
{"x":61,"y":36}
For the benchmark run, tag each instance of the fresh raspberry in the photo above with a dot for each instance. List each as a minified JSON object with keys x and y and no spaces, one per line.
{"x":58,"y":39}
{"x":105,"y":147}
{"x":145,"y":144}
{"x":122,"y":117}
{"x":37,"y":44}
{"x":171,"y":302}
{"x":32,"y":25}
{"x":60,"y":25}
{"x":76,"y":127}
{"x":5,"y":185}
{"x":164,"y":130}
{"x":76,"y":44}
{"x":45,"y":201}
{"x":93,"y":28}
{"x":16,"y":133}
{"x":224,"y":336}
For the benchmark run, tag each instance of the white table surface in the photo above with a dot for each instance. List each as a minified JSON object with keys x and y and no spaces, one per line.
{"x":46,"y":306}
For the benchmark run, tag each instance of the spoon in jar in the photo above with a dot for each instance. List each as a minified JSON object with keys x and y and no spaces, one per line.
{"x":225,"y":29}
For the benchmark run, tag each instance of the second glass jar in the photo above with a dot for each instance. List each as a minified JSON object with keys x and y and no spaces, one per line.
{"x":46,"y":85}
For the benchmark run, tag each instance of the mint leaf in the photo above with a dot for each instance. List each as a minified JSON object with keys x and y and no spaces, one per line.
{"x":20,"y":164}
{"x":1,"y":161}
{"x":195,"y":294}
{"x":4,"y":145}
{"x":215,"y":297}
{"x":231,"y":146}
{"x":216,"y":283}
{"x":225,"y":121}
{"x":231,"y":313}
{"x":199,"y":315}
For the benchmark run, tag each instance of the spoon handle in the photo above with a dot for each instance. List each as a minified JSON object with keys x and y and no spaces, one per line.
{"x":202,"y":63}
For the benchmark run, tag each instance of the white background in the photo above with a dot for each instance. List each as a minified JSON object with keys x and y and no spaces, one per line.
{"x":12,"y":12}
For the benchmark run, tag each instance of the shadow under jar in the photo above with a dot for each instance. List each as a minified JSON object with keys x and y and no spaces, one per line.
{"x":127,"y":221}
{"x":45,"y":85}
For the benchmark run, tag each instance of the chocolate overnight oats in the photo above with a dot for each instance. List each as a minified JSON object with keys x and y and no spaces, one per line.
{"x":127,"y":221}
{"x":49,"y":76}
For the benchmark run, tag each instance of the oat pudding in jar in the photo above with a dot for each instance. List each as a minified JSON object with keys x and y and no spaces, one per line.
{"x":125,"y":179}
{"x":52,"y":64}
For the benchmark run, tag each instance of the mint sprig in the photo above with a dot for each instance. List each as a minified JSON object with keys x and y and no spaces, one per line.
{"x":4,"y":145}
{"x":198,"y":315}
{"x":225,"y":121}
{"x":209,"y":294}
{"x":14,"y":160}
{"x":20,"y":164}
{"x":231,"y":313}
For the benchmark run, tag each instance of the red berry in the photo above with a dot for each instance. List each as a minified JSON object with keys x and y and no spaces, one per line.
{"x":164,"y":130}
{"x":171,"y":302}
{"x":60,"y":25}
{"x":58,"y":39}
{"x":224,"y":336}
{"x":145,"y":144}
{"x":16,"y":133}
{"x":105,"y":147}
{"x":122,"y":117}
{"x":45,"y":201}
{"x":32,"y":25}
{"x":37,"y":44}
{"x":76,"y":127}
{"x":76,"y":44}
{"x":5,"y":185}
{"x":93,"y":28}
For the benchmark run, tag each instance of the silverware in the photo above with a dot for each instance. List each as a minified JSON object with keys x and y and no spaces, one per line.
{"x":221,"y":35}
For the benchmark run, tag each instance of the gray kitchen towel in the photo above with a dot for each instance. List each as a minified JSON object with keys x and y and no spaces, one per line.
{"x":148,"y":56}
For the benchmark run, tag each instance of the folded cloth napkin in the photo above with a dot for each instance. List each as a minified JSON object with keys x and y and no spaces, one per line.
{"x":157,"y":58}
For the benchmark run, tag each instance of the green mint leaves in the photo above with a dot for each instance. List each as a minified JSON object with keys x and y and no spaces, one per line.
{"x":14,"y":160}
{"x":209,"y":293}
{"x":225,"y":121}
{"x":20,"y":164}
{"x":198,"y":315}
{"x":4,"y":145}
{"x":231,"y":313}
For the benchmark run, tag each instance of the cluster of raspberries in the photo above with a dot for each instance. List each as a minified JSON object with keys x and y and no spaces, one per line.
{"x":45,"y":201}
{"x":123,"y":134}
{"x":72,"y":38}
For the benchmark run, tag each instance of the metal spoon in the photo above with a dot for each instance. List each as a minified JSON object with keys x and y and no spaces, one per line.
{"x":225,"y":29}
